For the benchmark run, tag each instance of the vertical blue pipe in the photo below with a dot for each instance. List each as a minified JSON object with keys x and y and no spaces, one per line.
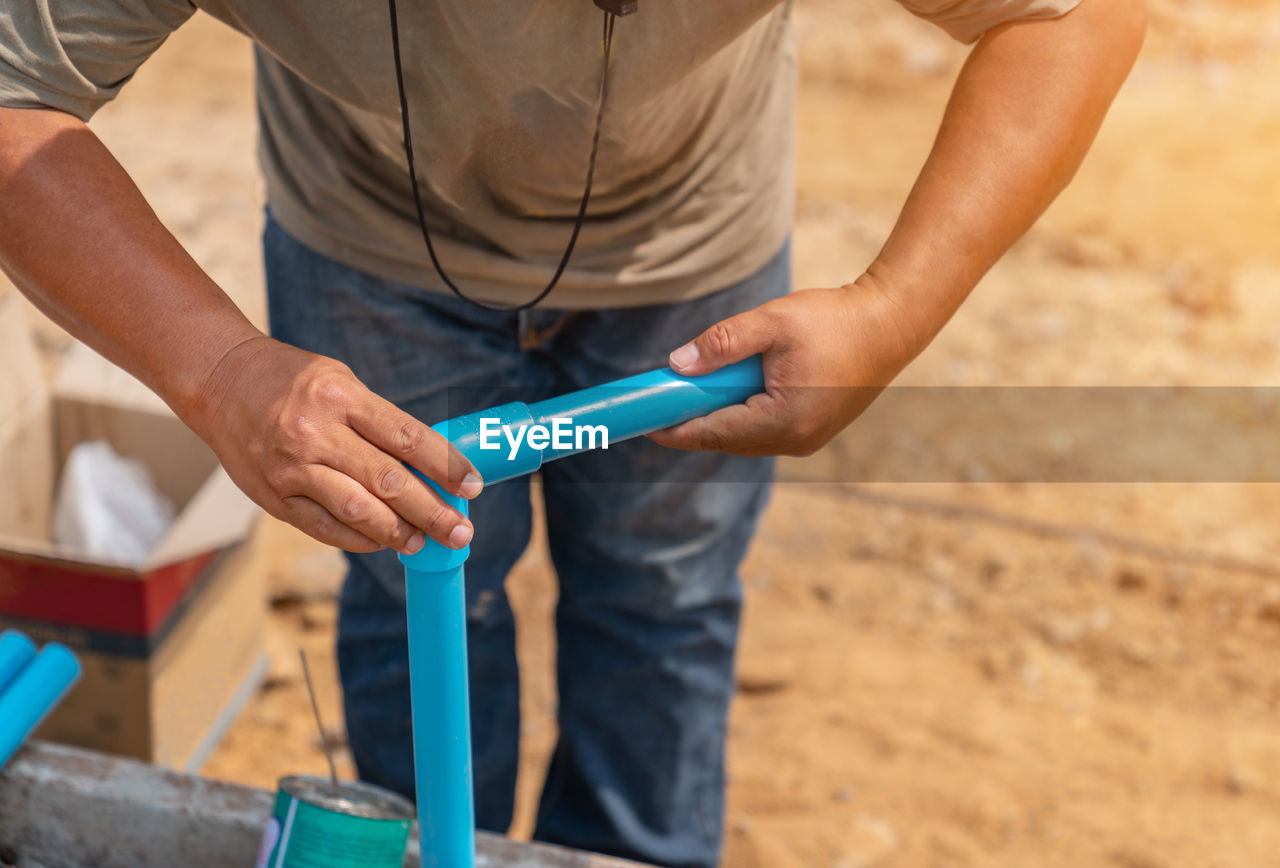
{"x":16,"y":651}
{"x":435,"y":600}
{"x":33,"y":694}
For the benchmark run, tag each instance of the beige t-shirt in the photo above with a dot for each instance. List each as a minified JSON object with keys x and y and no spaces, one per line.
{"x":694,"y":185}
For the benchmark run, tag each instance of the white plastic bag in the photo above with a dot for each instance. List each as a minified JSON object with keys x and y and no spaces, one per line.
{"x":107,"y":507}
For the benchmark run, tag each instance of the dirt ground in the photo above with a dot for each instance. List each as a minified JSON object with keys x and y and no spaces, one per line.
{"x":951,"y":674}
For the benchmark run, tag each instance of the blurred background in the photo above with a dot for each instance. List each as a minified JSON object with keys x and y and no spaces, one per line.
{"x":931,"y":675}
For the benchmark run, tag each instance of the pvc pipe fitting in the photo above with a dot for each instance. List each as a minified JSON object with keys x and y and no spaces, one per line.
{"x":626,"y":408}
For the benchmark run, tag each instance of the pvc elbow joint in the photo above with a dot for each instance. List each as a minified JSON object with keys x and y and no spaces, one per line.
{"x":616,"y":411}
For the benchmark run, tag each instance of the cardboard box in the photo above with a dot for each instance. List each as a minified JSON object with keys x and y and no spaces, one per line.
{"x":173,"y":706}
{"x":170,"y":647}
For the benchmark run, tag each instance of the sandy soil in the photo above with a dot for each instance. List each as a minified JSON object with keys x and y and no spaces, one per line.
{"x":932,"y":675}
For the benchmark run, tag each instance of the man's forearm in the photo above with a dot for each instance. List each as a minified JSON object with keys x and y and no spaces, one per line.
{"x":78,"y":238}
{"x":299,"y":433}
{"x":1024,"y":111}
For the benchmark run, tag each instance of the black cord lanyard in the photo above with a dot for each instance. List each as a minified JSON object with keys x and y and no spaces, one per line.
{"x":609,"y":19}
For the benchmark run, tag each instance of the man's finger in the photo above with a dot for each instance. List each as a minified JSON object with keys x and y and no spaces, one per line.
{"x":314,"y":520}
{"x":743,"y":429}
{"x":390,"y":481}
{"x":406,"y":439}
{"x":352,"y":504}
{"x":725,"y":343}
{"x":355,"y":506}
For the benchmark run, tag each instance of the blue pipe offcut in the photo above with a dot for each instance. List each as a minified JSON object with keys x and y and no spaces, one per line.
{"x":16,"y":651}
{"x":434,"y":577}
{"x":33,"y":690}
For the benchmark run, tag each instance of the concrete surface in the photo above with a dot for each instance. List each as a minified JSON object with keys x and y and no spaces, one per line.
{"x":62,"y":807}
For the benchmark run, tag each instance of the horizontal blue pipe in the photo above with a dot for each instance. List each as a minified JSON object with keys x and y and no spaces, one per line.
{"x":435,"y":592}
{"x":625,"y":408}
{"x":16,"y":652}
{"x":38,"y":687}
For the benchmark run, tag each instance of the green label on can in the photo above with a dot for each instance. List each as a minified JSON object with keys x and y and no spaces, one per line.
{"x":302,"y":835}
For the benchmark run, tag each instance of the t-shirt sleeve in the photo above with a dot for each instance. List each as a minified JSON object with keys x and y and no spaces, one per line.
{"x":75,"y":55}
{"x":966,"y":20}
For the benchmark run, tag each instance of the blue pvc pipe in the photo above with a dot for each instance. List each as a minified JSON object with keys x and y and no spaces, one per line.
{"x":38,"y":687}
{"x":627,"y":408}
{"x":16,"y":651}
{"x":434,"y":577}
{"x":436,"y":604}
{"x":435,"y":599}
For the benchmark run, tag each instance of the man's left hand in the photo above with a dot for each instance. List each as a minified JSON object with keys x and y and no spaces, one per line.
{"x":827,"y":354}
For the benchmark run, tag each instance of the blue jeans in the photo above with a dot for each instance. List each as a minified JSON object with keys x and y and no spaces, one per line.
{"x":646,"y":544}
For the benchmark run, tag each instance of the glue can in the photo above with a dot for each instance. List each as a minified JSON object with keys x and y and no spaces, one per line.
{"x":314,"y":825}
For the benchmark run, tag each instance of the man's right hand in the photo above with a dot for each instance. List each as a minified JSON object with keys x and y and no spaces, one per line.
{"x":303,"y":437}
{"x":298,"y":432}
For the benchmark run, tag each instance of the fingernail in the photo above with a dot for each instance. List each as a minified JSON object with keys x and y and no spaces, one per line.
{"x":471,"y":486}
{"x":415,"y":544}
{"x":460,"y":536}
{"x":685,"y":357}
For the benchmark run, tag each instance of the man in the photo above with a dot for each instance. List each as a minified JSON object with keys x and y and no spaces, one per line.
{"x":684,"y":252}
